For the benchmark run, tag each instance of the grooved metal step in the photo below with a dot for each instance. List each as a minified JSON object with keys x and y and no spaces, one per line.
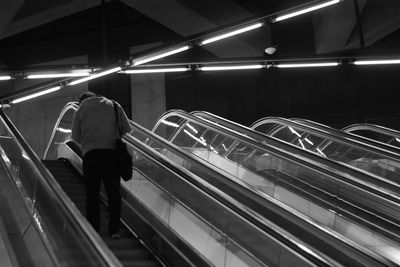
{"x":128,"y":249}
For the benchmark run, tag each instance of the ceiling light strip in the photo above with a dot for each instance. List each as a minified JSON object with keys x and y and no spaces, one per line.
{"x":47,"y":91}
{"x":241,"y":67}
{"x":376,"y":62}
{"x":155,"y":70}
{"x":94,"y":76}
{"x":137,"y":62}
{"x":57,"y":75}
{"x":5,"y":78}
{"x":232,"y":33}
{"x":307,"y":65}
{"x":306,"y":10}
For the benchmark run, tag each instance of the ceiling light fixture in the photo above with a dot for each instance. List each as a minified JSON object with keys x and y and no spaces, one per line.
{"x":47,"y":91}
{"x":94,"y":76}
{"x":239,"y":67}
{"x":57,"y":75}
{"x":305,"y":10}
{"x":5,"y":78}
{"x":232,"y":33}
{"x":137,"y":62}
{"x":376,"y":62}
{"x":306,"y":65}
{"x":155,"y":70}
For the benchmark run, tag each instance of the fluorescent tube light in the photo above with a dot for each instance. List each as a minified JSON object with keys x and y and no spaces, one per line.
{"x":169,"y":123}
{"x":241,"y":67}
{"x":94,"y":76}
{"x":376,"y":62}
{"x":154,"y":70}
{"x":5,"y":78}
{"x":306,"y":10}
{"x":57,"y":75}
{"x":162,"y":55}
{"x":63,"y":130}
{"x":50,"y":90}
{"x":229,"y":34}
{"x":305,"y":65}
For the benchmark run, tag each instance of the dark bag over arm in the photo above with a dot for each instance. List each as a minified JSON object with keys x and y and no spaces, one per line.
{"x":124,"y":158}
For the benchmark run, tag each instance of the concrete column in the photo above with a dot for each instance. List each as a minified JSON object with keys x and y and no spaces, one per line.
{"x":148,"y":98}
{"x":147,"y":93}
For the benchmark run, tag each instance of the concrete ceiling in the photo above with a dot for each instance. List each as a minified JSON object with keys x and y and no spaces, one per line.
{"x":334,"y":29}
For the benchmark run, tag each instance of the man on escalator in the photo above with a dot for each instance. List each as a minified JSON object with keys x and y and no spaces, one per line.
{"x":95,"y":128}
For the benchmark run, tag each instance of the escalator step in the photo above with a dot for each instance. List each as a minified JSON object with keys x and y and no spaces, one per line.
{"x":128,"y":249}
{"x":140,"y":263}
{"x":135,"y":254}
{"x":123,"y":243}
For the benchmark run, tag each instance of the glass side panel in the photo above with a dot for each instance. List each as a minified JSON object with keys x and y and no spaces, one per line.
{"x":240,"y":153}
{"x":209,"y":227}
{"x":374,"y":135}
{"x":377,"y":136}
{"x":285,"y":133}
{"x":191,"y":136}
{"x":167,"y":127}
{"x":352,"y":155}
{"x":51,"y":236}
{"x":289,"y":182}
{"x":253,"y":242}
{"x":395,"y":142}
{"x":221,"y":143}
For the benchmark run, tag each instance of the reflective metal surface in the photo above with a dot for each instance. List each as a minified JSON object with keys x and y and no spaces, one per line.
{"x":267,"y":171}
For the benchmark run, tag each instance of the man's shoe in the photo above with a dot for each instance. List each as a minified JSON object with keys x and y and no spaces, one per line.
{"x":115,"y":236}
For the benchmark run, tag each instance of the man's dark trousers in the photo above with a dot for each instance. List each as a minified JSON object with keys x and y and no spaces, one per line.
{"x":101,"y":165}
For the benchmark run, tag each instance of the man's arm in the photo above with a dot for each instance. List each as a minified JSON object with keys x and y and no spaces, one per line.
{"x":124,"y":121}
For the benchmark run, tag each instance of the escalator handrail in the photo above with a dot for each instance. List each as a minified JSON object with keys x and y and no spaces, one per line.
{"x":354,"y":140}
{"x":243,"y":188}
{"x":65,"y":109}
{"x":368,"y":126}
{"x":374,"y":128}
{"x":66,"y":205}
{"x":312,"y":160}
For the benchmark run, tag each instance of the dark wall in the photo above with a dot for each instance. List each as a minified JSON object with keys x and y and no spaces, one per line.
{"x":335,"y":96}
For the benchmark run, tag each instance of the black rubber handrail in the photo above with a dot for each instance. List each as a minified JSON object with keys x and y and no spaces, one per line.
{"x":47,"y":180}
{"x":304,"y":157}
{"x":342,"y":173}
{"x":383,"y":151}
{"x":394,"y":134}
{"x":353,"y":140}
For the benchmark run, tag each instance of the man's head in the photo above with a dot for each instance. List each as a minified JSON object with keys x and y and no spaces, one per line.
{"x":85,"y":95}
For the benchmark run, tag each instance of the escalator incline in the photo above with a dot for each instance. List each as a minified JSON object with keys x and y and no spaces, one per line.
{"x":128,"y":249}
